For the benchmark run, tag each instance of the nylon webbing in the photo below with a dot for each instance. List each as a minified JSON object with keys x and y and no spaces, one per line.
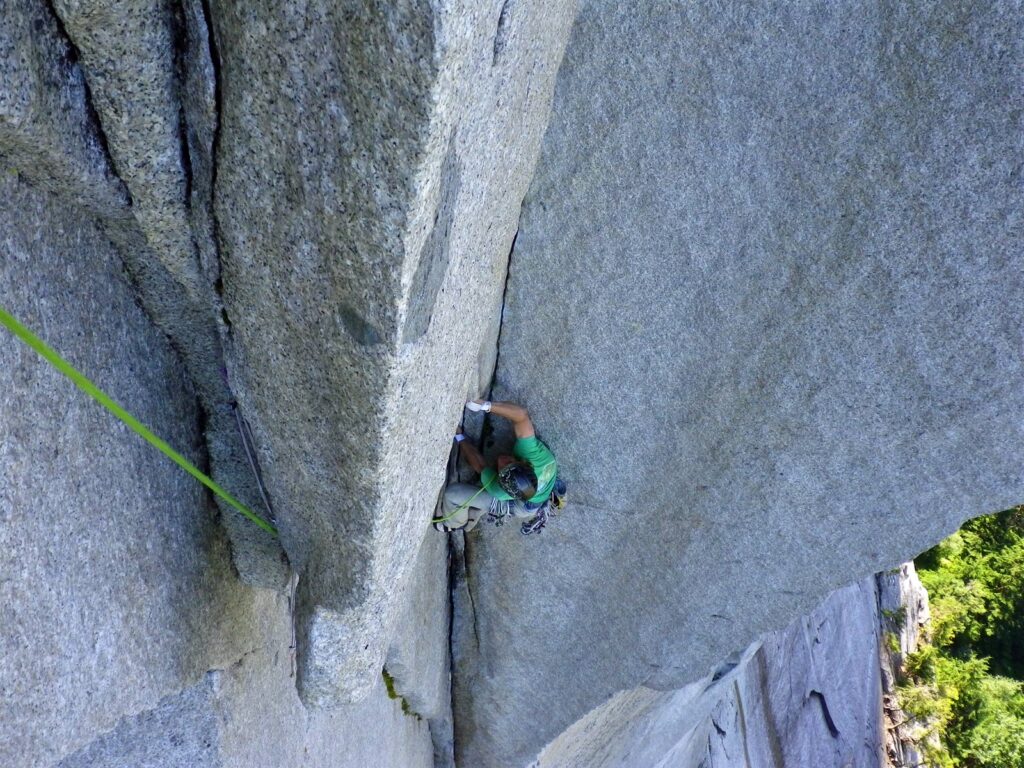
{"x":134,"y":424}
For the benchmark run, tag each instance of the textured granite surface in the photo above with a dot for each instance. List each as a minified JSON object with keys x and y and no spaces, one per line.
{"x":808,"y":695}
{"x":248,"y":715}
{"x":418,"y":659}
{"x":44,"y":103}
{"x":128,"y":50}
{"x":114,"y":109}
{"x":115,"y":587}
{"x":372,"y":160}
{"x":126,"y":636}
{"x":759,"y":306}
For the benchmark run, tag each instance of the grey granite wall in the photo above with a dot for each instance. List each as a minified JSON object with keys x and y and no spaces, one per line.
{"x":757,"y":306}
{"x":109,"y":106}
{"x":126,"y":636}
{"x":372,"y":159}
{"x":117,"y":588}
{"x":315,"y":203}
{"x":760,"y":306}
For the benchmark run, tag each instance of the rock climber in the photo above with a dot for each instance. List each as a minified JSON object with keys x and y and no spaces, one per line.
{"x":523,"y":485}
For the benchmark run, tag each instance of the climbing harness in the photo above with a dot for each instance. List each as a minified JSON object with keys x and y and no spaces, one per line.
{"x":134,"y":424}
{"x":539,"y":513}
{"x":555,"y":503}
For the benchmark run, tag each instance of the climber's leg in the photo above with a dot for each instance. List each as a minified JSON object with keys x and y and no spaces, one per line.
{"x":465,"y":504}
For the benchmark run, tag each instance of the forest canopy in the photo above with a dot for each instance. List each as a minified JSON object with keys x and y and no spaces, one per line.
{"x":966,"y":682}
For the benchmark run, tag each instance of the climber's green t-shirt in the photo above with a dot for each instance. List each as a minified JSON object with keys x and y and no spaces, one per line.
{"x":536,"y":454}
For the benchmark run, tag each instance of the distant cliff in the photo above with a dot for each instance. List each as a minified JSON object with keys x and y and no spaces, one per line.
{"x":818,"y":693}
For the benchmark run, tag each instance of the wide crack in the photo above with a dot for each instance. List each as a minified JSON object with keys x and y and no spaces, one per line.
{"x":94,"y":126}
{"x":459,"y":557}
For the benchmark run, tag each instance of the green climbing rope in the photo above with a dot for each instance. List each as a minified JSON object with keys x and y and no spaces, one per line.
{"x":134,"y":424}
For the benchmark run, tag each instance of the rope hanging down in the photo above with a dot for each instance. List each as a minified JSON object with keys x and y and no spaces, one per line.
{"x":134,"y":424}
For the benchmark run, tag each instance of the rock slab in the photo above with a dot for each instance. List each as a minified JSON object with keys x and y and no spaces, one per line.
{"x":116,"y":586}
{"x":758,"y":308}
{"x":249,"y":714}
{"x":109,"y":105}
{"x":808,"y":695}
{"x":126,"y":636}
{"x":371,"y":165}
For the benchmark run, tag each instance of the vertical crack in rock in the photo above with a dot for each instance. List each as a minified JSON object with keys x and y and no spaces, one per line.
{"x":502,"y":33}
{"x":249,"y":445}
{"x":434,"y":257}
{"x":198,"y":69}
{"x":179,"y":49}
{"x":451,"y":631}
{"x":215,"y":67}
{"x":151,"y":90}
{"x":464,"y":553}
{"x":771,"y":722}
{"x":94,"y":126}
{"x":742,"y":720}
{"x":501,"y":322}
{"x":185,"y":157}
{"x":466,"y":556}
{"x":339,"y":122}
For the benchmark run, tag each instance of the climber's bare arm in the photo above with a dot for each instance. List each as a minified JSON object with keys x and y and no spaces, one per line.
{"x":472,"y":456}
{"x":517,"y":415}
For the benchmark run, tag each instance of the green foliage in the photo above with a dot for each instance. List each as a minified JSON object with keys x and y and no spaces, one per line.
{"x":389,"y":684}
{"x":892,"y":641}
{"x":897,"y":617}
{"x":998,"y":736}
{"x":975,"y":583}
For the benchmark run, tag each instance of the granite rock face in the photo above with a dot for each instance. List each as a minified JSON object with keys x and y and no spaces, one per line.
{"x":108,"y":110}
{"x":316,"y":204}
{"x":128,"y":52}
{"x":418,"y":659}
{"x":758,"y":307}
{"x":116,"y":587}
{"x":126,"y":637}
{"x":44,"y":130}
{"x":808,"y":695}
{"x":249,"y":714}
{"x":372,"y":158}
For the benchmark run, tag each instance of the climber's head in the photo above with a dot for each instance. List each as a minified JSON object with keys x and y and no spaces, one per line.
{"x":516,"y":479}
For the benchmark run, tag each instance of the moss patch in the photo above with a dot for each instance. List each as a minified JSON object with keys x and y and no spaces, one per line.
{"x":389,"y":683}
